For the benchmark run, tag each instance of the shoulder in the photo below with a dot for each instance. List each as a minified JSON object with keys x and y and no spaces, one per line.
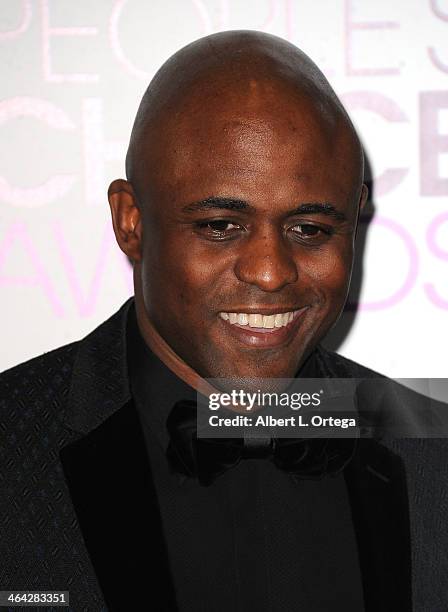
{"x":39,"y":370}
{"x":33,"y":398}
{"x":37,"y":386}
{"x":338,"y":366}
{"x":38,"y":389}
{"x":52,"y":371}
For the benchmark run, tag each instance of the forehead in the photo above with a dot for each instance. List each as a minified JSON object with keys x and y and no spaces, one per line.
{"x":254,"y":137}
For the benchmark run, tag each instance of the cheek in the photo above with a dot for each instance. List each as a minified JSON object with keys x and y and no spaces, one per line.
{"x":329,"y":272}
{"x":179,"y":279}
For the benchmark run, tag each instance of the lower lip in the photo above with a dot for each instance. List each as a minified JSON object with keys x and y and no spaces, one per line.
{"x":265,"y":338}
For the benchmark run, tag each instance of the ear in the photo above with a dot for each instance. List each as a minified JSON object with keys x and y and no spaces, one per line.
{"x":363,"y":197}
{"x":126,"y":218}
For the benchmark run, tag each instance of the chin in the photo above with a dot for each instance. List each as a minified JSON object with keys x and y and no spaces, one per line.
{"x":254,"y":371}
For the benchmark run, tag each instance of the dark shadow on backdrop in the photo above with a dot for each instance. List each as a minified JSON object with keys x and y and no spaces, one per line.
{"x":341,"y":330}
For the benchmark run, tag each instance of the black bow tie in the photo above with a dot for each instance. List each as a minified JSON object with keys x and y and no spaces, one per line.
{"x":206,"y":459}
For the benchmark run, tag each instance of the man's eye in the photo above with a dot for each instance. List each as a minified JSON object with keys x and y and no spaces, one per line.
{"x":218,"y":227}
{"x":307,"y":231}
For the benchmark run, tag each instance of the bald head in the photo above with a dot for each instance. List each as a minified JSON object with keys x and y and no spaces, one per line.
{"x":243,"y":194}
{"x":231,"y":76}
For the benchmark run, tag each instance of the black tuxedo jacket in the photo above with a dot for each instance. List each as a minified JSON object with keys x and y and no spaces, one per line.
{"x":78,"y":509}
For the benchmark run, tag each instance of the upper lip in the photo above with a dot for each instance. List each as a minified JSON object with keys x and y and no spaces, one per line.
{"x":264,"y":310}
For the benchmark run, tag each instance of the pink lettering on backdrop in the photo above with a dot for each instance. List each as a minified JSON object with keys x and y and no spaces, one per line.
{"x":57,"y":185}
{"x":48,"y":32}
{"x":97,"y":151}
{"x":361,"y":26}
{"x":86,"y":302}
{"x":25,"y":20}
{"x":390,"y":111}
{"x":223,"y":20}
{"x":117,"y":48}
{"x":440,"y":253}
{"x":224,"y":14}
{"x":204,"y":19}
{"x":432,"y":143}
{"x":434,"y":4}
{"x":38,"y":278}
{"x":116,"y":44}
{"x":273,"y":8}
{"x":412,"y":271}
{"x":42,"y":110}
{"x":433,"y":55}
{"x":432,"y":233}
{"x":289,"y":20}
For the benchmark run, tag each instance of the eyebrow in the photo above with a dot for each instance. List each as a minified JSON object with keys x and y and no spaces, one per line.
{"x":216,"y":202}
{"x":311,"y":208}
{"x":319,"y":208}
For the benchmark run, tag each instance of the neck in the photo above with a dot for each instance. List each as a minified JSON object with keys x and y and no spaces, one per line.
{"x":160,"y":347}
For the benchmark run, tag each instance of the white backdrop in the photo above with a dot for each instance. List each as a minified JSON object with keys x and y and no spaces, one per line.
{"x":72,"y":77}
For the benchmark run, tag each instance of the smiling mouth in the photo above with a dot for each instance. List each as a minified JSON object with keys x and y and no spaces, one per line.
{"x":259,"y":322}
{"x":259,"y":330}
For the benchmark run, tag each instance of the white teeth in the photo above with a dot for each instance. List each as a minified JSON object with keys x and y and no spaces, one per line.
{"x":278,"y":320}
{"x":258,"y":320}
{"x":268,"y":321}
{"x":243,"y":318}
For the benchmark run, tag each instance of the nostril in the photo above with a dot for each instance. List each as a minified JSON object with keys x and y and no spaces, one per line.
{"x":266,"y":273}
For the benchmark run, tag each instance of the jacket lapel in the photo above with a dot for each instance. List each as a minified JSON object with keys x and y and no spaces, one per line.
{"x":113,"y":494}
{"x":376,"y":483}
{"x":109,"y":476}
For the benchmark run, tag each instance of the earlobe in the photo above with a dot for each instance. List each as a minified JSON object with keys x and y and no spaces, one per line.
{"x":126,"y":218}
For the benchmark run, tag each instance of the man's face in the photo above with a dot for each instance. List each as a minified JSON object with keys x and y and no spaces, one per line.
{"x":248,"y":229}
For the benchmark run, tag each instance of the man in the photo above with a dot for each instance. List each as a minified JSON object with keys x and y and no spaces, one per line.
{"x":245,"y":185}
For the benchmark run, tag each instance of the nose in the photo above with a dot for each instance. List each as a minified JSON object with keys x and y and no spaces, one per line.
{"x":266,"y":261}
